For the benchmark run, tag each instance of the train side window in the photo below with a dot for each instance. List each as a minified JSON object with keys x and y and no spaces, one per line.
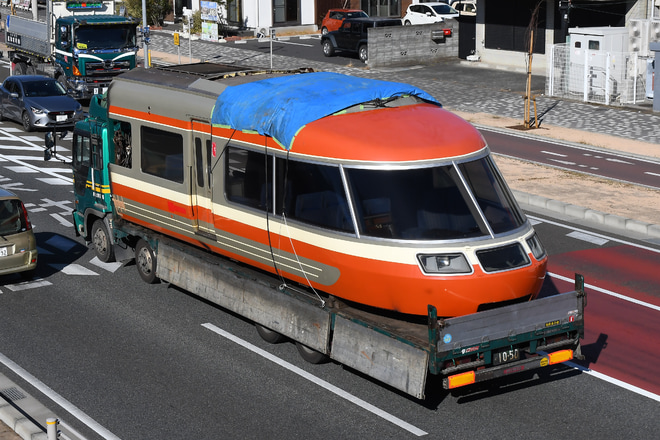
{"x":199,"y":162}
{"x":247,"y":174}
{"x":209,"y":158}
{"x":313,"y":194}
{"x":162,"y":153}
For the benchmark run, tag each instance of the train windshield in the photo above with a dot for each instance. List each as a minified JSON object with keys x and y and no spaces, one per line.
{"x":456,"y":201}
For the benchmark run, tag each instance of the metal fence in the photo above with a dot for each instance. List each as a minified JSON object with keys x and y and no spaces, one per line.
{"x":596,"y":76}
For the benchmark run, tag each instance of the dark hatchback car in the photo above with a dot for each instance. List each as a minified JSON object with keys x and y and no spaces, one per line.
{"x":352,"y":36}
{"x":38,"y":102}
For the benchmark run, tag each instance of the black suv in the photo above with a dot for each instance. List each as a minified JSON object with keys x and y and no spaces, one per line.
{"x":352,"y":35}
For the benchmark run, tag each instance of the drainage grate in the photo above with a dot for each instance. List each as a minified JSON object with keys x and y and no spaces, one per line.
{"x":12,"y":394}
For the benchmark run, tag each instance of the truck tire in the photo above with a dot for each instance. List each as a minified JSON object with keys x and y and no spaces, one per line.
{"x":311,"y":356}
{"x":102,"y":242}
{"x":328,"y":48}
{"x":363,"y":53}
{"x":268,"y":335}
{"x":145,"y":261}
{"x":20,"y":68}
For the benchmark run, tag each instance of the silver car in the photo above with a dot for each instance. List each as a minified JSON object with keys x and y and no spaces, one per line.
{"x":38,"y":102}
{"x":18,"y":247}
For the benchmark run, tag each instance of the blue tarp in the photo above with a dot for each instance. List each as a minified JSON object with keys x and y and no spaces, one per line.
{"x":279,"y":107}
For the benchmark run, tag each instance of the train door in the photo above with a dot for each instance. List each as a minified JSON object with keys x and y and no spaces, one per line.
{"x":202,"y":179}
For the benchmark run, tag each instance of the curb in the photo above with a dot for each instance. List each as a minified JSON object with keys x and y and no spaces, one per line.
{"x":23,"y":416}
{"x":591,"y":216}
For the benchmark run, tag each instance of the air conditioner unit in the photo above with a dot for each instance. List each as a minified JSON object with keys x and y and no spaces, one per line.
{"x":638,"y":32}
{"x":654,"y":30}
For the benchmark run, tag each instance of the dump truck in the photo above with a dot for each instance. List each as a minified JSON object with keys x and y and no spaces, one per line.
{"x":299,"y":200}
{"x":81,"y":44}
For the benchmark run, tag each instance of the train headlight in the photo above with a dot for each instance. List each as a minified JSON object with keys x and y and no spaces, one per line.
{"x":444,"y":263}
{"x":536,"y":246}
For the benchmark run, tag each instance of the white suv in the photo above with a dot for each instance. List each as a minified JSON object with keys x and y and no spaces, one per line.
{"x":424,"y":13}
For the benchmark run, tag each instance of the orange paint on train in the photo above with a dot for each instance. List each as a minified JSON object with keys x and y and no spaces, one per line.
{"x":386,"y":285}
{"x":148,"y":116}
{"x":421,"y":132}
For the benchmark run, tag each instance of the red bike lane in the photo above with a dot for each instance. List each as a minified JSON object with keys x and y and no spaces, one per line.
{"x":622,"y":334}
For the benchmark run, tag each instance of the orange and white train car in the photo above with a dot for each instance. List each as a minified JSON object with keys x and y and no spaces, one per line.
{"x":365,"y":190}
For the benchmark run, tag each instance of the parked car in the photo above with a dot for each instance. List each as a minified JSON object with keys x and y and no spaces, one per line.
{"x":18,"y":247}
{"x":352,"y":36}
{"x":465,"y":7}
{"x":335,"y":17}
{"x":38,"y":102}
{"x":425,"y":13}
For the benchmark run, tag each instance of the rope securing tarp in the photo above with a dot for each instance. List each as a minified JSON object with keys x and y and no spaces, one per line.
{"x":280,"y":107}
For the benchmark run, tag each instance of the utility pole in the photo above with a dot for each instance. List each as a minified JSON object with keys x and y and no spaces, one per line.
{"x":533,"y":22}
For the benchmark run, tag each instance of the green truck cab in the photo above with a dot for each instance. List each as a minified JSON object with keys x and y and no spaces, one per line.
{"x":81,"y":44}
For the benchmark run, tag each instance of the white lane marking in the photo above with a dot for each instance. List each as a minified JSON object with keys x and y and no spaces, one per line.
{"x":59,"y":400}
{"x":110,"y":267}
{"x":609,"y":292}
{"x":588,"y":238}
{"x":53,"y":181}
{"x":295,"y":44}
{"x":651,"y":174}
{"x":20,"y":169}
{"x":563,"y":162}
{"x":47,"y":171}
{"x":72,"y":269}
{"x":617,"y":382}
{"x":62,"y":221}
{"x":302,"y":373}
{"x":554,"y":154}
{"x":27,"y":285}
{"x":619,"y":161}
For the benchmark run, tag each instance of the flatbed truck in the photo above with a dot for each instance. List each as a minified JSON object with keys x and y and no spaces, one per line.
{"x":396,"y":349}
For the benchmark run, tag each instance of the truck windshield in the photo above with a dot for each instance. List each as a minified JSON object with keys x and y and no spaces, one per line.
{"x":105,"y":37}
{"x":435,"y":203}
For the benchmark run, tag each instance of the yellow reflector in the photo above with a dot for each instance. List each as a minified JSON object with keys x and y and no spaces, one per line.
{"x":75,"y":71}
{"x":560,"y":356}
{"x":459,"y":380}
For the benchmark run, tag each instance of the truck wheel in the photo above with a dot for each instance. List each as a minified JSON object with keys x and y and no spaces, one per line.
{"x":328,"y":48}
{"x":268,"y":335}
{"x":20,"y":69}
{"x":102,"y":242}
{"x":27,"y":124}
{"x":407,"y":23}
{"x":145,"y":260}
{"x":363,"y":53}
{"x":311,"y":356}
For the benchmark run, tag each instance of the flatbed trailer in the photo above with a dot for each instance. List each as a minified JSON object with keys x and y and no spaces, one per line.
{"x":400,"y":353}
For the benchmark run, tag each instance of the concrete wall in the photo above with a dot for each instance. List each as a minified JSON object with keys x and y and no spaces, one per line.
{"x":410,"y":45}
